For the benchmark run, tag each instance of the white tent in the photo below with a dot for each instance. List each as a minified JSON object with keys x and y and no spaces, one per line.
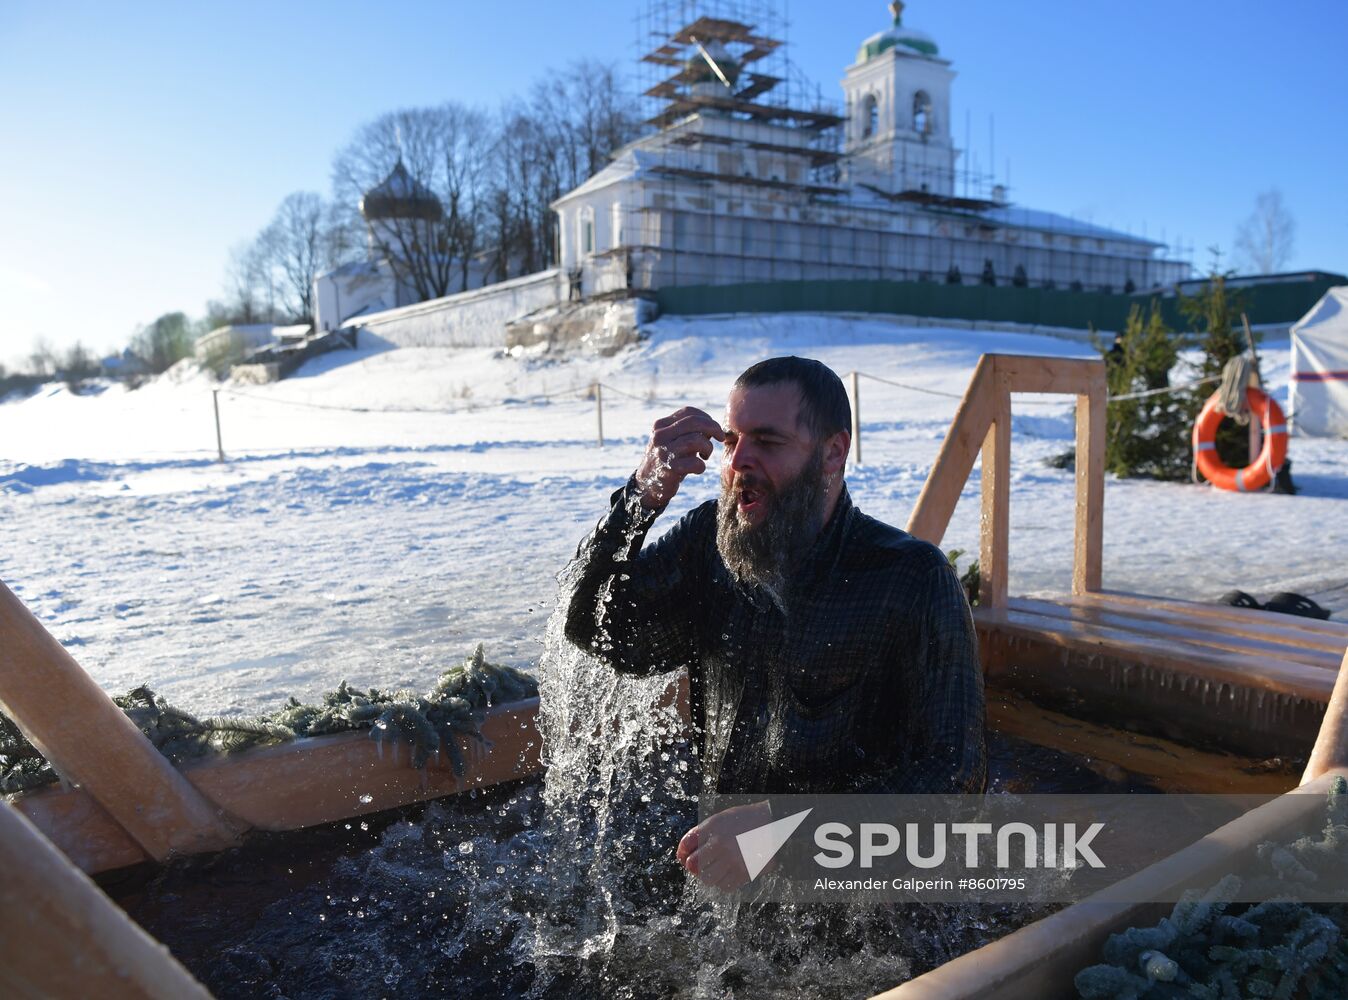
{"x":1319,"y":392}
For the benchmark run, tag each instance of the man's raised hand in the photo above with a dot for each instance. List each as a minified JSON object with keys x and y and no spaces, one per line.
{"x":680,"y":446}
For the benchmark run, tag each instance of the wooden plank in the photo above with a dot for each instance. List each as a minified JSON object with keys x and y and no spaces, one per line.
{"x":328,"y":778}
{"x":305,"y":783}
{"x":995,"y":521}
{"x":941,"y":491}
{"x":1215,"y":638}
{"x":1296,"y":679}
{"x":64,"y":938}
{"x":1089,"y":535}
{"x":80,"y":828}
{"x":1331,"y":743}
{"x":1036,"y":374}
{"x":311,"y":781}
{"x":89,"y":740}
{"x":1168,"y":765}
{"x":1275,"y":628}
{"x":1338,"y":630}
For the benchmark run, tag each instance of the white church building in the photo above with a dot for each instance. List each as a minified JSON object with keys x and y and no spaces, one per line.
{"x":733,"y":189}
{"x":737,"y":182}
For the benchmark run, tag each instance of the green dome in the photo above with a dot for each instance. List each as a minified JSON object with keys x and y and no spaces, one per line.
{"x":897,"y":37}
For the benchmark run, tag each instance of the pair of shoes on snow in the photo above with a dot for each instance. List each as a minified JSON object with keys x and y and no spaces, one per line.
{"x":1283,"y":603}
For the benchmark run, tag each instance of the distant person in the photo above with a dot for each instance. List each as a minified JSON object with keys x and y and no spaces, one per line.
{"x":826,"y":651}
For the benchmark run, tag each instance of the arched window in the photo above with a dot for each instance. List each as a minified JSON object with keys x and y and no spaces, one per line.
{"x":870,"y":116}
{"x":922,"y":122}
{"x":587,"y":230}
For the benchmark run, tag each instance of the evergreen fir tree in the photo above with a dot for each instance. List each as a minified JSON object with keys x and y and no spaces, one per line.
{"x":1214,"y":314}
{"x":1147,"y":436}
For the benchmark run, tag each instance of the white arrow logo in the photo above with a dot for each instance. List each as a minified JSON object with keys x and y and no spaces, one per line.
{"x":759,"y":845}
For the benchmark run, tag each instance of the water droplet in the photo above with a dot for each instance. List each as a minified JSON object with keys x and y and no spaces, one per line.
{"x":366,"y":799}
{"x":466,"y":847}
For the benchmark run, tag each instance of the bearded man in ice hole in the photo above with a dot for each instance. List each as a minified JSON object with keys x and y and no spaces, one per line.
{"x":826,"y":651}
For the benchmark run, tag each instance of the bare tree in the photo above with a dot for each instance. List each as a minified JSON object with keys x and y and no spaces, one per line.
{"x":250,"y":288}
{"x":568,"y":130}
{"x":444,"y":150}
{"x":79,"y":363}
{"x":42,"y":358}
{"x":304,"y":239}
{"x":1264,"y":240}
{"x":577,"y":120}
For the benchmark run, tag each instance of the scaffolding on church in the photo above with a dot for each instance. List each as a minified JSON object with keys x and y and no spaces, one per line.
{"x":748,"y":183}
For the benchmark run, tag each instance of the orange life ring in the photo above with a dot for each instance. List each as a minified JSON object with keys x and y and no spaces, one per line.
{"x":1258,"y":473}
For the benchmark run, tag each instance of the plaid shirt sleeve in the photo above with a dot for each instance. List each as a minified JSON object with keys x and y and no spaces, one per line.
{"x":636,"y":608}
{"x":945,"y":746}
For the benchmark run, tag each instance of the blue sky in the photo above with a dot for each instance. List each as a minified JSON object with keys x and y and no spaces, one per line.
{"x":139,"y":141}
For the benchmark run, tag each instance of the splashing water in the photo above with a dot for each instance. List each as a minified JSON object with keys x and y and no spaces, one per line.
{"x":556,"y":889}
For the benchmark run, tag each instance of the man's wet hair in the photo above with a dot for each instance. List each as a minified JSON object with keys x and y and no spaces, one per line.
{"x":824,"y":407}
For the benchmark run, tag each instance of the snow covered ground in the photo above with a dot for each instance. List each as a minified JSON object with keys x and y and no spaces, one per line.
{"x":380,"y":513}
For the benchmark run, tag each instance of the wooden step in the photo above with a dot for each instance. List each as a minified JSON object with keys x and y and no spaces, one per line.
{"x":1298,"y":680}
{"x":1333,"y":629}
{"x":1257,"y":624}
{"x":1211,"y":637}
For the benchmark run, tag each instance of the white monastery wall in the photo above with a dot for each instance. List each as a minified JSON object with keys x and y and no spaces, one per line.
{"x":476,"y":318}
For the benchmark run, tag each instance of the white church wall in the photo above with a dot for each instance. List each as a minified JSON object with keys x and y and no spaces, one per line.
{"x":338,"y":296}
{"x":475,"y":318}
{"x":841,"y":243}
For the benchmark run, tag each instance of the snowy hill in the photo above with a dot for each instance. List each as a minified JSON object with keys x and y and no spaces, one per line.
{"x":380,"y":513}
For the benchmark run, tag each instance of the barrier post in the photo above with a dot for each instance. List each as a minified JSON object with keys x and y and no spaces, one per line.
{"x":599,"y":410}
{"x":219,"y":443}
{"x":856,"y":418}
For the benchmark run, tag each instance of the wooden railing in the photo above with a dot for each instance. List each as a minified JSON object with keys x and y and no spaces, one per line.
{"x":92,"y":744}
{"x":1331,"y":744}
{"x":983,"y":421}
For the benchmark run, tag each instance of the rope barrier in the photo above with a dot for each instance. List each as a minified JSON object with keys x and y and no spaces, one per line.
{"x":913,"y":388}
{"x":577,"y":391}
{"x":595,"y":390}
{"x":580,"y":391}
{"x":1165,"y":389}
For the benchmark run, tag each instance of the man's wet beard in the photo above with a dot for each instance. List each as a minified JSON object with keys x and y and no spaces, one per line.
{"x":767,"y":554}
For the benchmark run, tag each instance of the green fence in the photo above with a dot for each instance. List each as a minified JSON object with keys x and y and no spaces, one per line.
{"x":1273,"y":303}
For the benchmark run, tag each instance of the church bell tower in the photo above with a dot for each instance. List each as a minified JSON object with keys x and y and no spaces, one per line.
{"x":898,"y":113}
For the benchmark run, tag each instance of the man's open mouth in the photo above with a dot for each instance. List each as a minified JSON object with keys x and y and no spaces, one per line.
{"x":751,"y":499}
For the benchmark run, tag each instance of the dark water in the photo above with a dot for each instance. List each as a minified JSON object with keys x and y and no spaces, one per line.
{"x":560,"y":888}
{"x":464,"y":898}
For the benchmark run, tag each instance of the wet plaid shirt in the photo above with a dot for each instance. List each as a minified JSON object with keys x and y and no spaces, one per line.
{"x":870,"y":681}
